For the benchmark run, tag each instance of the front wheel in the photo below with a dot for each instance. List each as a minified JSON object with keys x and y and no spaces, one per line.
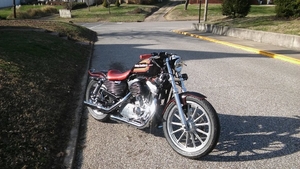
{"x":201,"y":134}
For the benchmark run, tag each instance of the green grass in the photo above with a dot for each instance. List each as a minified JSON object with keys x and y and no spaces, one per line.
{"x":5,"y":12}
{"x":29,"y":10}
{"x":178,"y":13}
{"x":124,"y":13}
{"x":262,"y":10}
{"x":39,"y":74}
{"x":215,"y":12}
{"x":261,"y":17}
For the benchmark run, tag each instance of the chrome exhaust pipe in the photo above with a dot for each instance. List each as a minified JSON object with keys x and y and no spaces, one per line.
{"x":108,"y":109}
{"x":119,"y":119}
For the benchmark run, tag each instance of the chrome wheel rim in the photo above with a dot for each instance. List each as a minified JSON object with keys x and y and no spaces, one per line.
{"x":196,"y":134}
{"x":93,"y":99}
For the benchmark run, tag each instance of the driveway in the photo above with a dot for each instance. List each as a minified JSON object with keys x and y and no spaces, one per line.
{"x":257,"y":99}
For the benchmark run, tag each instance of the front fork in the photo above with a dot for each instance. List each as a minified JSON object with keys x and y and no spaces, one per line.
{"x":176,"y":93}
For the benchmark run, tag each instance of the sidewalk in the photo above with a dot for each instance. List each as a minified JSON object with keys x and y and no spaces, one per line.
{"x":159,"y":15}
{"x":268,"y":50}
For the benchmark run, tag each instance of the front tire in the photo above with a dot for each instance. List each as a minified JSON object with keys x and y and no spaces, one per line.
{"x":202,"y":133}
{"x":98,"y":115}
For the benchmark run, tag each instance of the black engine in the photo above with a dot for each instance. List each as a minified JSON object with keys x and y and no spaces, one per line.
{"x":117,"y":88}
{"x":139,"y":88}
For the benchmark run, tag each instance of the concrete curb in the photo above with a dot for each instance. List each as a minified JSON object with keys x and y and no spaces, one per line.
{"x":72,"y":144}
{"x":249,"y":49}
{"x":289,"y":41}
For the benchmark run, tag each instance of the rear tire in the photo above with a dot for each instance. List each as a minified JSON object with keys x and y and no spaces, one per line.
{"x":98,"y":115}
{"x":203,"y":130}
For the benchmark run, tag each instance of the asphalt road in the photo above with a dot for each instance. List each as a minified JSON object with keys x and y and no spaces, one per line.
{"x":257,"y":99}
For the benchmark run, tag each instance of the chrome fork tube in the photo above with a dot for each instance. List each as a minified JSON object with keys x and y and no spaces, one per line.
{"x":176,"y":94}
{"x":181,"y":82}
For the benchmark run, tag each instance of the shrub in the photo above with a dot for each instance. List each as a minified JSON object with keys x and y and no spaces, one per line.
{"x":287,"y":8}
{"x":105,"y":4}
{"x":79,"y":5}
{"x":236,"y":8}
{"x":34,"y":13}
{"x":20,"y":15}
{"x":49,"y":10}
{"x":149,"y":2}
{"x":75,"y":5}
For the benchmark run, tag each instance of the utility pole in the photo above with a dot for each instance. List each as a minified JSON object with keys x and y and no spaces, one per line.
{"x":205,"y":10}
{"x":199,"y":10}
{"x":14,"y":4}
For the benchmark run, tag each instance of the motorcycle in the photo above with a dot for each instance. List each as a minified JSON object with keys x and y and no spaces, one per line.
{"x":148,"y":96}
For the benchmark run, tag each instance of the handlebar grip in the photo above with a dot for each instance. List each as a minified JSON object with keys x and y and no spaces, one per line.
{"x":164,"y":54}
{"x":160,"y":54}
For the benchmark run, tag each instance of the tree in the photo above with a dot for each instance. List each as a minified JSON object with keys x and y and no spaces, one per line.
{"x":287,"y":8}
{"x":205,"y":11}
{"x":236,"y":8}
{"x":15,"y":13}
{"x":186,"y":4}
{"x":117,"y":3}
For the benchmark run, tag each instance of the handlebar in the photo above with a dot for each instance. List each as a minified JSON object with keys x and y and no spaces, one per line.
{"x":161,"y":55}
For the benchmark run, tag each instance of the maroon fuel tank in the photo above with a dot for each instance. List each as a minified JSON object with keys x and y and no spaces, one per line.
{"x":146,"y":66}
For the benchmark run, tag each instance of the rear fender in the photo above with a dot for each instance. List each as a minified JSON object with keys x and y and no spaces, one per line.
{"x":97,"y":75}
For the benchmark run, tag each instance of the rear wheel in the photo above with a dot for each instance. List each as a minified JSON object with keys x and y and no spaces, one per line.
{"x":98,"y":98}
{"x":202,"y":132}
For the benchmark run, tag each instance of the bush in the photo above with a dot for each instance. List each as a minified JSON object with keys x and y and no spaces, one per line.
{"x":105,"y":4}
{"x":34,"y":13}
{"x":149,"y":2}
{"x":49,"y":10}
{"x":236,"y":8}
{"x":287,"y":8}
{"x":75,"y":5}
{"x":79,"y":5}
{"x":20,"y":15}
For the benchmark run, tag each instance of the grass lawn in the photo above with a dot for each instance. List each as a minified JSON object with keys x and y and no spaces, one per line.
{"x":5,"y":12}
{"x":39,"y":10}
{"x":261,"y":17}
{"x":124,"y":13}
{"x":39,"y":75}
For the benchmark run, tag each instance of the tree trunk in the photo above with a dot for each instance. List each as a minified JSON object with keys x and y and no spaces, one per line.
{"x":186,"y":4}
{"x":205,"y":11}
{"x":15,"y":13}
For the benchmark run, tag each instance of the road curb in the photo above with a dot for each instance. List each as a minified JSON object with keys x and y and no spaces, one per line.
{"x":70,"y":151}
{"x":246,"y":48}
{"x":277,"y":39}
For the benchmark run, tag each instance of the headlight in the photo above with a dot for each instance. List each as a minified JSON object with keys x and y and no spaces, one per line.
{"x":178,"y":65}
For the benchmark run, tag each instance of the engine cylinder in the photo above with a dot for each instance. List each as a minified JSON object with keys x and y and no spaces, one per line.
{"x":118,"y":88}
{"x":139,"y":88}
